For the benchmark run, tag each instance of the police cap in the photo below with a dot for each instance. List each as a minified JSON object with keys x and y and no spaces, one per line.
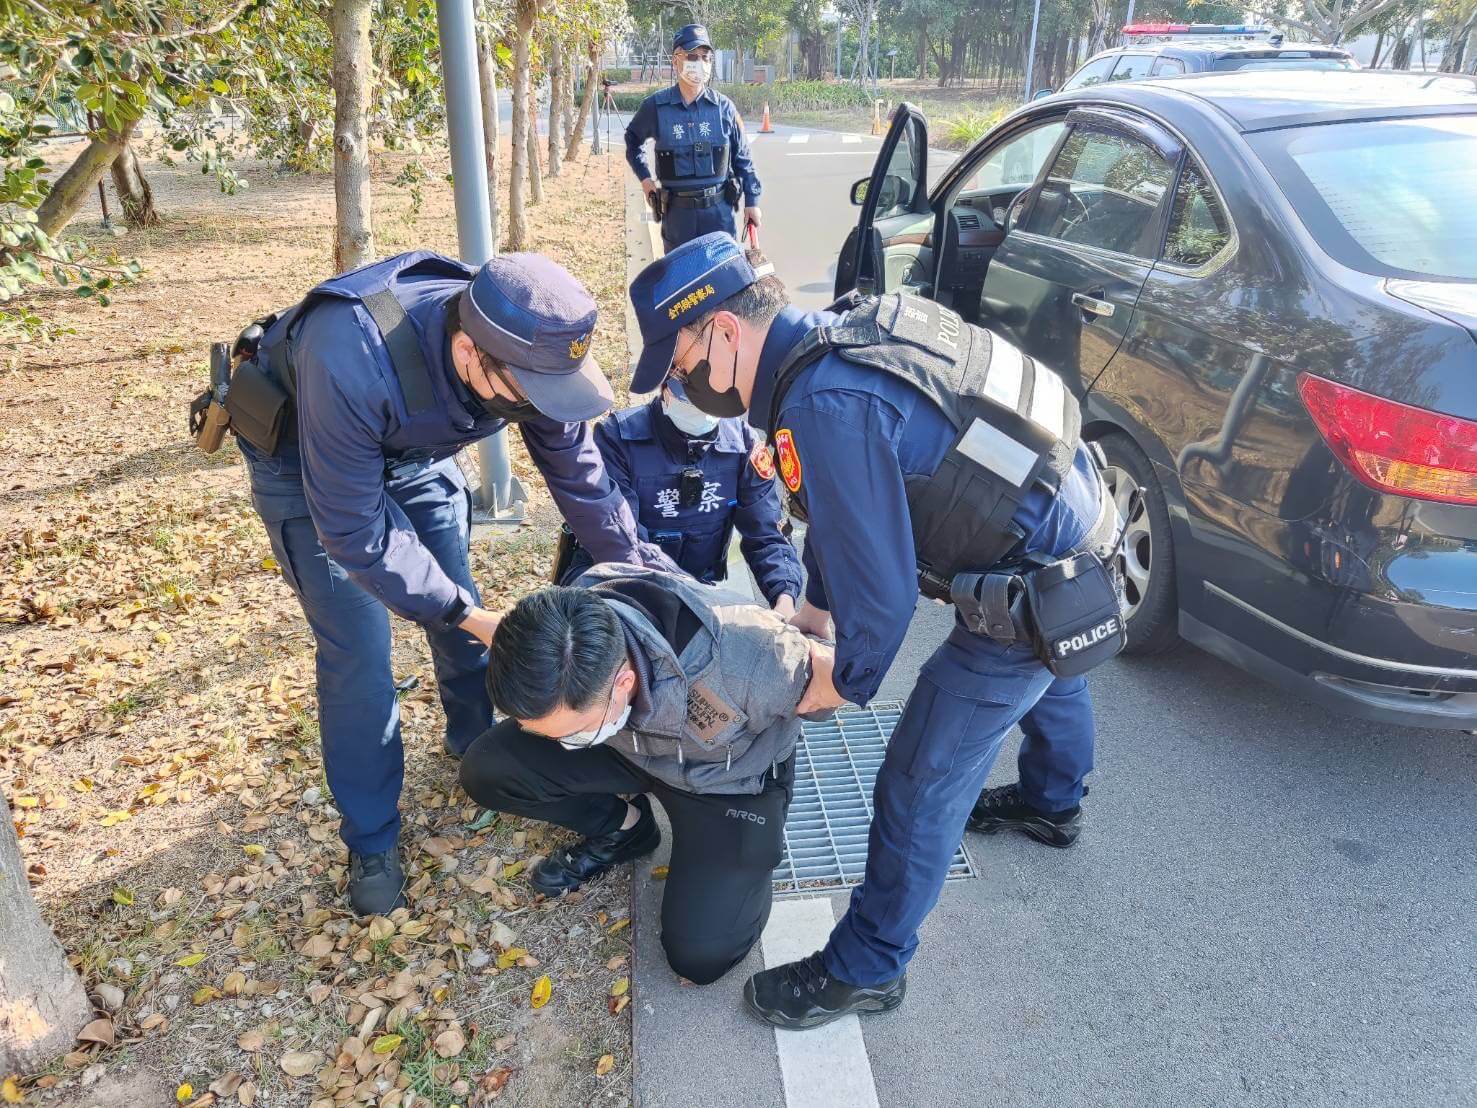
{"x":690,"y":38}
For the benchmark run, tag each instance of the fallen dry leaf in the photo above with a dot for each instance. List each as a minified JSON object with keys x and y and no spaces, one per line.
{"x":300,"y":1063}
{"x":386,"y":1044}
{"x":543,"y":988}
{"x":252,"y":1041}
{"x":605,"y":1065}
{"x":10,"y":1092}
{"x":620,"y":986}
{"x":507,"y":958}
{"x":450,"y":1043}
{"x":98,"y":1031}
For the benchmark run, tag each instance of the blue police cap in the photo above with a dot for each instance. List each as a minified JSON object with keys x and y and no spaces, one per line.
{"x":532,"y":315}
{"x":684,"y":286}
{"x":691,"y":37}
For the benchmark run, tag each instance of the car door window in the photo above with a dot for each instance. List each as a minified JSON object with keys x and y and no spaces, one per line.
{"x":1198,"y":226}
{"x":1093,"y":73}
{"x":1131,"y":67}
{"x":1016,"y":162}
{"x":1102,"y":190}
{"x":1167,"y":67}
{"x":902,"y":175}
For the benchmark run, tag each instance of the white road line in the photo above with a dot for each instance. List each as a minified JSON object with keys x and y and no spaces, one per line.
{"x":825,"y":1067}
{"x":803,"y":136}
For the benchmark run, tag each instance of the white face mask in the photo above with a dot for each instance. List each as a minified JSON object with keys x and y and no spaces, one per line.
{"x":583,"y":740}
{"x":687,"y":417}
{"x":697,"y":71}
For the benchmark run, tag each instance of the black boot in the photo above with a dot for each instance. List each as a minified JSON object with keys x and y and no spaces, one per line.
{"x":571,"y":867}
{"x":1003,"y":809}
{"x":801,"y":994}
{"x":376,"y":882}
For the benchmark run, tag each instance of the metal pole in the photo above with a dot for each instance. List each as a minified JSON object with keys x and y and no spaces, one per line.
{"x":1129,"y":20}
{"x":500,"y":496}
{"x":838,"y":46}
{"x":1031,"y":50}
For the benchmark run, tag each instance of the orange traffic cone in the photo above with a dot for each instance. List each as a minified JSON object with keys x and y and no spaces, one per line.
{"x":764,"y":126}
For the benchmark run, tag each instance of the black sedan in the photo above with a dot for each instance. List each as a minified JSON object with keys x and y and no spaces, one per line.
{"x":1263,"y":288}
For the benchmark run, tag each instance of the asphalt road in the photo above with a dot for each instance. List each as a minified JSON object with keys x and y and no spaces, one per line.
{"x":1270,"y":905}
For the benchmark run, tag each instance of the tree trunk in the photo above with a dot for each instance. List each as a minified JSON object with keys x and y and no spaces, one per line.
{"x":535,"y":171}
{"x":524,"y":13}
{"x":134,"y":193}
{"x":42,"y":1002}
{"x":487,"y":86}
{"x":73,"y":187}
{"x":353,"y":82}
{"x":556,"y":85}
{"x":587,"y":102}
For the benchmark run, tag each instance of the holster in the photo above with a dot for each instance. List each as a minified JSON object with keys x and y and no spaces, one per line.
{"x":259,"y":407}
{"x":732,"y":192}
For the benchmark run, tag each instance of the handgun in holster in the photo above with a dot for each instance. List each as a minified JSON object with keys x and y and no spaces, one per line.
{"x":208,"y":417}
{"x":658,"y":204}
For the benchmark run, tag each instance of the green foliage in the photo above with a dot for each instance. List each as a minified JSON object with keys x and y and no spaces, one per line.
{"x":961,"y":131}
{"x":782,"y":96}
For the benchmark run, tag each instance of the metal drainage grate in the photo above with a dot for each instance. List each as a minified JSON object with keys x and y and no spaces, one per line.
{"x":836,"y":765}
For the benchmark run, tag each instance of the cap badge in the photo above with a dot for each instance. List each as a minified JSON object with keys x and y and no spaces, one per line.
{"x":577,"y":347}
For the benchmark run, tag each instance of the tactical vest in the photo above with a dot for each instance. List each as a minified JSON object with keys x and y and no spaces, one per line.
{"x":373,"y":285}
{"x":691,"y":147}
{"x":1016,"y":425}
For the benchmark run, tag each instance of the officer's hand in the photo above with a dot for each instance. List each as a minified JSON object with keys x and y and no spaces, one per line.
{"x":754,"y":216}
{"x":481,"y":623}
{"x":813,"y":621}
{"x":820,"y":694}
{"x":648,"y":186}
{"x":785,"y":606}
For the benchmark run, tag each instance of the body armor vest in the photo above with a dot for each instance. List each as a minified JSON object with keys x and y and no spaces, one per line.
{"x":1016,"y":425}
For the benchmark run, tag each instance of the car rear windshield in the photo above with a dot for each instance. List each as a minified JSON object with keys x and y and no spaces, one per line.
{"x":1393,"y":197}
{"x":1282,"y":61}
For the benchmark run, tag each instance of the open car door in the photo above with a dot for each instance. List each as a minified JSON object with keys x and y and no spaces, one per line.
{"x":892,"y":246}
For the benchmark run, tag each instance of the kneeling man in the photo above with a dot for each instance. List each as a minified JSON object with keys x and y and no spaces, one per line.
{"x":637,"y":681}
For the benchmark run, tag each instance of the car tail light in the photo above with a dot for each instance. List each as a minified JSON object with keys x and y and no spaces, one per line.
{"x":1394,"y":447}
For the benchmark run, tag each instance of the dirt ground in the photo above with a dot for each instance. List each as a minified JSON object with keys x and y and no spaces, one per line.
{"x":158,"y":740}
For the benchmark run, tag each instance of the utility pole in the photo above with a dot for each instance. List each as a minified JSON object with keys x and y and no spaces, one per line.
{"x":838,"y":45}
{"x":1031,"y":49}
{"x":501,"y":497}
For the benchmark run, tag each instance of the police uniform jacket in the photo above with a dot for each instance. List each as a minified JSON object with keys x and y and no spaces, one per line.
{"x":645,"y":454}
{"x":354,"y":431}
{"x":692,"y":134}
{"x":856,"y":435}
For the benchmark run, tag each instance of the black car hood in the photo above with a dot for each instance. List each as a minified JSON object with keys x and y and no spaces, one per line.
{"x":1453,"y":300}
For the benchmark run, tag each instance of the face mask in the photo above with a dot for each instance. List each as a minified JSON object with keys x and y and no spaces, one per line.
{"x":696,"y":70}
{"x":698,"y":386}
{"x":583,"y":740}
{"x":687,"y":418}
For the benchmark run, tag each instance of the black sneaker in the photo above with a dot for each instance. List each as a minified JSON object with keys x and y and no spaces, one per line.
{"x":1003,"y":809}
{"x":801,"y":994}
{"x":569,"y":868}
{"x":376,"y":883}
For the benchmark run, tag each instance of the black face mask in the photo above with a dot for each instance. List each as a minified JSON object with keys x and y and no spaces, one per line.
{"x":698,"y":386}
{"x":497,"y":407}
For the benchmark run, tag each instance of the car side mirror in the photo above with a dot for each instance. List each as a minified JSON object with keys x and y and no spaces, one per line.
{"x":859,"y":191}
{"x":1042,"y":92}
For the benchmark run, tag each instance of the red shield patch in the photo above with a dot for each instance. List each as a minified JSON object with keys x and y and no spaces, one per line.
{"x":761,"y":461}
{"x":789,"y":459}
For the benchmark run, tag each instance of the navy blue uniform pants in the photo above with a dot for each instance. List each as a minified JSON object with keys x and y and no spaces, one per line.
{"x":970,"y":693}
{"x":358,"y":712}
{"x":1056,"y":753}
{"x":681,"y":225}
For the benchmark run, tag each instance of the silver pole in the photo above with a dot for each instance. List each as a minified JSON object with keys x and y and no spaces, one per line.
{"x":473,"y":214}
{"x":1129,"y":20}
{"x":1031,"y":50}
{"x":838,"y":44}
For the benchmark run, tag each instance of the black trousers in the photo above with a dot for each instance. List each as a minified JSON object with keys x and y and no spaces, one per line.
{"x":724,"y":848}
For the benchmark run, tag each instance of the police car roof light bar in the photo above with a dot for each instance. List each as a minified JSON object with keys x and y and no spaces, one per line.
{"x":1168,"y":32}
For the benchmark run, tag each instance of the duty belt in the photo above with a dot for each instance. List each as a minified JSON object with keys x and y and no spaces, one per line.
{"x":702,"y":198}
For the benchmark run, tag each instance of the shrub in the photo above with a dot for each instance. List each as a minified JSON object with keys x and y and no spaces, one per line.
{"x":782,"y":96}
{"x":959,"y":132}
{"x":617,"y":76}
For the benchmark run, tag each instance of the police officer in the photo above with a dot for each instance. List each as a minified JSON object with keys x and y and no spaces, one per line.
{"x":924,"y":451}
{"x":702,"y":156}
{"x":691,"y":479}
{"x":391,"y":369}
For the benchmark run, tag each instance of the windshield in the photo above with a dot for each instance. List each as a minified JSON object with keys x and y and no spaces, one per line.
{"x":1285,"y":61}
{"x":1392,"y":197}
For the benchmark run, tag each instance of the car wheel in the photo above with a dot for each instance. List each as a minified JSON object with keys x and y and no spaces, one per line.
{"x":1146,"y":557}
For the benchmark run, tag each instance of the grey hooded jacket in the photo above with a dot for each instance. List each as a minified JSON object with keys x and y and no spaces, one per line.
{"x":718,"y":717}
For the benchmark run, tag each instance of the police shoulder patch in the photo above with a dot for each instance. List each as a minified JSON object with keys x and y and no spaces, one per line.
{"x":761,"y":461}
{"x":789,"y":459}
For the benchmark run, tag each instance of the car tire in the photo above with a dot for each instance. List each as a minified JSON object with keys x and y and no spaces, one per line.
{"x":1146,"y":557}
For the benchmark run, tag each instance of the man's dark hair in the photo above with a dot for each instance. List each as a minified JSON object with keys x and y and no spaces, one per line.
{"x":557,"y":648}
{"x":490,"y":365}
{"x":757,"y":304}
